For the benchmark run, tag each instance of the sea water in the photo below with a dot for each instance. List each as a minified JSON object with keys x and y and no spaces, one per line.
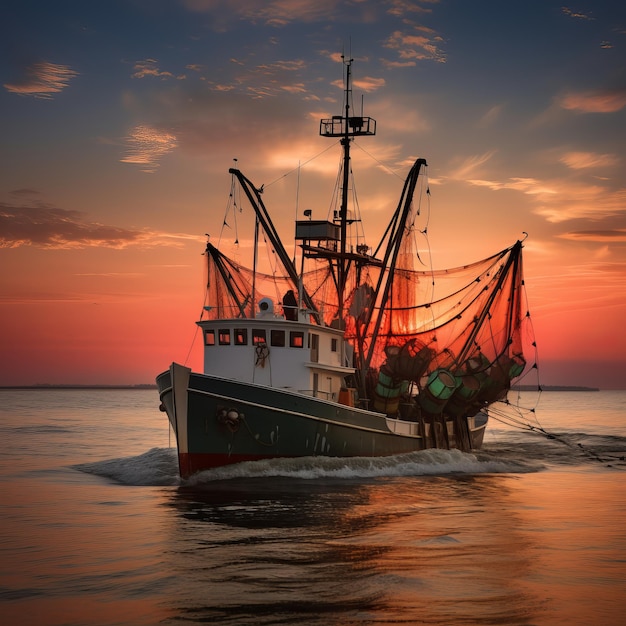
{"x":97,"y":528}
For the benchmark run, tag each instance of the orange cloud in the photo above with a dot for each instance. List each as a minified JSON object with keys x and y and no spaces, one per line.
{"x":585,"y":160}
{"x":418,"y":47}
{"x":146,"y":145}
{"x":367,"y":83}
{"x":562,"y":200}
{"x":530,"y":186}
{"x":272,"y":13}
{"x":597,"y":236}
{"x":148,"y":67}
{"x":294,"y":88}
{"x":395,"y":64}
{"x":265,"y":80}
{"x":594,"y":101}
{"x":43,"y":80}
{"x":582,"y":201}
{"x":470,"y":165}
{"x":400,"y":8}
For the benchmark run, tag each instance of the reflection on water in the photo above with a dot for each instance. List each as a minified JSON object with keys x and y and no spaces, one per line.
{"x":97,"y":530}
{"x":385,"y":551}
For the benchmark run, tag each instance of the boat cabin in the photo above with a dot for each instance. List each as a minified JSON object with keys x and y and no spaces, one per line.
{"x":272,"y":350}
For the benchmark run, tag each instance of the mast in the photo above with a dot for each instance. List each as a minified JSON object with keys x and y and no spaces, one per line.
{"x":396,"y":232}
{"x":342,"y":268}
{"x":346,"y":126}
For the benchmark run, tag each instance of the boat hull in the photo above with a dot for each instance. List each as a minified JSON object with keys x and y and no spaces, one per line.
{"x":218,"y":422}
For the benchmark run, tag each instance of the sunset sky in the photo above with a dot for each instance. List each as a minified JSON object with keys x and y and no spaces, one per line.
{"x":120,"y":120}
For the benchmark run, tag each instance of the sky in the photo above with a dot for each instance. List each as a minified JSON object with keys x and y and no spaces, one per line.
{"x":120,"y":120}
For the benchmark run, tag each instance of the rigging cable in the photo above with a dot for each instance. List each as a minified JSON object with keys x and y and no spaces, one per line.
{"x":500,"y":415}
{"x":231,"y":205}
{"x":300,"y":165}
{"x":371,"y":156}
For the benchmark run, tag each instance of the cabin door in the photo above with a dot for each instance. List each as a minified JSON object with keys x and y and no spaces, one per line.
{"x":315,"y":348}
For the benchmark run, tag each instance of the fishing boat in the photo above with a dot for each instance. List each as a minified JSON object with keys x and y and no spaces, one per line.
{"x":345,"y":349}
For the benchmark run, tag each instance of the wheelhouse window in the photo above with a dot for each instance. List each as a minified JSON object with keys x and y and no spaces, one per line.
{"x":224,"y":336}
{"x":277,"y":338}
{"x":258,"y":336}
{"x":241,"y":336}
{"x":296,"y":339}
{"x":209,"y":337}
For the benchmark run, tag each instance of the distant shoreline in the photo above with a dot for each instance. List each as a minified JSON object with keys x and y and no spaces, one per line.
{"x":153,"y":386}
{"x":49,"y":387}
{"x":553,"y":388}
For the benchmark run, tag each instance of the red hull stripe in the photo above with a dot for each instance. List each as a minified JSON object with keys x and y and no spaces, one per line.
{"x":191,"y":463}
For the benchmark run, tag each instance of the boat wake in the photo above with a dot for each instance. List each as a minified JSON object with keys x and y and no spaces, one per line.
{"x":504,"y":453}
{"x":159,"y":467}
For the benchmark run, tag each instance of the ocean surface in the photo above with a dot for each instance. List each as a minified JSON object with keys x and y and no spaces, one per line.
{"x":97,"y":529}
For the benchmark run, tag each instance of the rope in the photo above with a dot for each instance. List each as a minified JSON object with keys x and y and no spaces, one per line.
{"x":371,"y":156}
{"x":256,"y":436}
{"x":301,"y":165}
{"x":193,"y":340}
{"x":508,"y":420}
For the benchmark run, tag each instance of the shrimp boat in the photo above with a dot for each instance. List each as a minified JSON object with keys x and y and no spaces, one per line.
{"x":346,"y":349}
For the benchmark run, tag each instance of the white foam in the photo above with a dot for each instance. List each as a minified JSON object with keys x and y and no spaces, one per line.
{"x":158,"y":466}
{"x":422,"y":463}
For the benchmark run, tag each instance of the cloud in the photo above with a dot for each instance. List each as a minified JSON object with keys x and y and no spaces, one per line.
{"x":576,"y":14}
{"x":48,"y":227}
{"x":294,"y":88}
{"x":148,"y":67}
{"x":405,"y":115}
{"x":146,"y":145}
{"x":580,"y":201}
{"x":25,"y":192}
{"x":617,"y":268}
{"x":587,"y":160}
{"x":609,"y":101}
{"x":470,"y":165}
{"x":400,"y":8}
{"x":289,"y":66}
{"x":529,"y":186}
{"x":367,"y":83}
{"x":263,"y":80}
{"x":617,"y":235}
{"x":562,"y":200}
{"x":42,"y":80}
{"x":395,"y":64}
{"x":416,"y":47}
{"x":271,"y":13}
{"x":491,"y":116}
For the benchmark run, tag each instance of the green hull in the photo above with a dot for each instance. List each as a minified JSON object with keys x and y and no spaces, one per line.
{"x":219,"y":422}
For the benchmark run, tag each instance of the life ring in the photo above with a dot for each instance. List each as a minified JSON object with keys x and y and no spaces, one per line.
{"x":262,"y":351}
